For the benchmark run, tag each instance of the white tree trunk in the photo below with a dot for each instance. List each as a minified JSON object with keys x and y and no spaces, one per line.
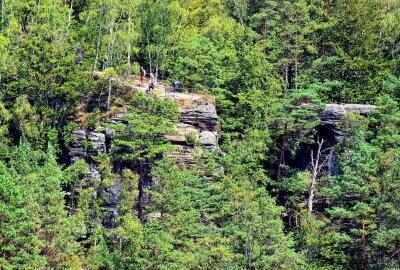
{"x":148,"y":50}
{"x":2,"y":15}
{"x":129,"y":42}
{"x":237,"y":6}
{"x":70,"y":14}
{"x":98,"y":47}
{"x":315,"y":169}
{"x":109,"y":92}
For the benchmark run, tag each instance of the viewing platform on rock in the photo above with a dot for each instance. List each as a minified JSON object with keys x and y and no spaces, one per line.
{"x":198,"y":120}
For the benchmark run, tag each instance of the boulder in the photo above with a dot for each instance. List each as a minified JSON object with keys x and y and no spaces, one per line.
{"x":209,"y":139}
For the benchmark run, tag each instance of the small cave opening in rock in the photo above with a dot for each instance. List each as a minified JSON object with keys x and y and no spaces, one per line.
{"x":302,"y":159}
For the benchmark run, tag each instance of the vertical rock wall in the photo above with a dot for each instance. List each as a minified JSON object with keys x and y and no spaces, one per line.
{"x":198,"y":126}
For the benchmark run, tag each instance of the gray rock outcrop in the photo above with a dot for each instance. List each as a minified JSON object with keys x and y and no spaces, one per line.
{"x":198,"y":126}
{"x":86,"y":143}
{"x":334,"y":113}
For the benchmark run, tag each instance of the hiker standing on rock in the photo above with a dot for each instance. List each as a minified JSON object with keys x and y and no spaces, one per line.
{"x":152,"y":82}
{"x":105,"y":63}
{"x":176,"y":85}
{"x":142,"y":75}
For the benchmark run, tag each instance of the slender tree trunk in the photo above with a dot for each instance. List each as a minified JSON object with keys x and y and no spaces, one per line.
{"x":109,"y":91}
{"x":237,"y":6}
{"x":296,"y":56}
{"x":51,"y":260}
{"x":148,"y":49}
{"x":248,"y":247}
{"x":129,"y":42}
{"x":295,"y":71}
{"x":37,"y":8}
{"x":2,"y":15}
{"x":157,"y":63}
{"x":363,"y":231}
{"x":140,"y":188}
{"x":178,"y":35}
{"x":281,"y":158}
{"x":315,"y":167}
{"x":110,"y":50}
{"x":264,"y":29}
{"x":70,"y":14}
{"x":98,"y":47}
{"x":287,"y":86}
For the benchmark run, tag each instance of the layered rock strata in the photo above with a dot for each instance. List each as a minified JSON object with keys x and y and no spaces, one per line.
{"x":333,"y":115}
{"x":197,"y":126}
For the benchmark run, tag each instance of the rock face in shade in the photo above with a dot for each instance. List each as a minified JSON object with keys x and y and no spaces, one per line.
{"x":198,"y":125}
{"x":333,"y":114}
{"x":329,"y":130}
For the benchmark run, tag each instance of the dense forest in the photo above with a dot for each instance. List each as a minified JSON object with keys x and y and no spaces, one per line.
{"x":265,"y":198}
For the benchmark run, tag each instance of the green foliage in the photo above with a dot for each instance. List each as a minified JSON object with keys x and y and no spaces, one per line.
{"x":270,"y":65}
{"x":324,"y":248}
{"x":358,"y":198}
{"x":5,"y":117}
{"x":35,"y":228}
{"x":297,"y":117}
{"x":198,"y":63}
{"x":251,"y":218}
{"x":142,"y":138}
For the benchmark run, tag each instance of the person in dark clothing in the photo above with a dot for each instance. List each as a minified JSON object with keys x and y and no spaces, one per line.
{"x":105,"y":64}
{"x":151,"y":82}
{"x":176,"y":85}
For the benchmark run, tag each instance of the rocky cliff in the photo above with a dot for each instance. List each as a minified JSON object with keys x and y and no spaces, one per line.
{"x":329,"y":130}
{"x":197,"y":126}
{"x":333,"y":114}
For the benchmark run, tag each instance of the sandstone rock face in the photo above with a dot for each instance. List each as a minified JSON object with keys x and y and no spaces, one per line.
{"x":86,"y":143}
{"x":204,"y":116}
{"x":97,"y":143}
{"x":209,"y":139}
{"x":198,"y":126}
{"x":198,"y":115}
{"x":77,"y":150}
{"x":334,"y":113}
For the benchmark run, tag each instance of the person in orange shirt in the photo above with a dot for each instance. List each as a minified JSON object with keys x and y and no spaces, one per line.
{"x":142,"y":75}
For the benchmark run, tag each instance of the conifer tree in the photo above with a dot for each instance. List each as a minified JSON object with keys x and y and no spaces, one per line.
{"x":142,"y":138}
